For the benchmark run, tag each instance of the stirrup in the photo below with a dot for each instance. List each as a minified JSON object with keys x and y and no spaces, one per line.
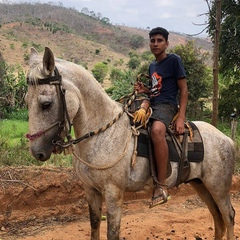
{"x":160,"y":199}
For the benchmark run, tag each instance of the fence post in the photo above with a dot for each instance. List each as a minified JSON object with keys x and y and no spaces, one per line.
{"x":233,"y":125}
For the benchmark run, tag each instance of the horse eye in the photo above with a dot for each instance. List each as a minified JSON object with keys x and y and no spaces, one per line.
{"x":46,"y":105}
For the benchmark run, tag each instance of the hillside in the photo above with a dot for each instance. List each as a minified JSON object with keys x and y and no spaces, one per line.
{"x":72,"y":35}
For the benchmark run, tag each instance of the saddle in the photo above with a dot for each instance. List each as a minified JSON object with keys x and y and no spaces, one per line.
{"x":183,"y":149}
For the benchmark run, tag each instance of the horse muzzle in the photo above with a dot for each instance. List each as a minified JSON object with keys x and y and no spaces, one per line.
{"x":41,"y":154}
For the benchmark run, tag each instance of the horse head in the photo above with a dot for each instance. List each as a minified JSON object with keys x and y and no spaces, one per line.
{"x":46,"y":106}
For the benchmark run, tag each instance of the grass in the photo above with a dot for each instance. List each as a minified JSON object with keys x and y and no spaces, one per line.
{"x":14,"y":149}
{"x":13,"y":131}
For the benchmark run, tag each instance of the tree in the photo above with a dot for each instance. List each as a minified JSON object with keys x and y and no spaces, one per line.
{"x":229,"y":54}
{"x":215,"y":63}
{"x":229,"y":50}
{"x":100,"y":71}
{"x":229,"y":101}
{"x":85,"y":11}
{"x":198,"y":76}
{"x":136,"y":41}
{"x":122,"y":83}
{"x":99,"y":15}
{"x":133,"y":63}
{"x":12,"y":88}
{"x":105,"y":20}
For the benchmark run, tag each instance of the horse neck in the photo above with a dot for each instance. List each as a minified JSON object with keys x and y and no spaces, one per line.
{"x":96,"y":108}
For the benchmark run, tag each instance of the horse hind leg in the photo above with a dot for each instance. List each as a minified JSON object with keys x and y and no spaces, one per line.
{"x":94,"y":199}
{"x":205,"y":195}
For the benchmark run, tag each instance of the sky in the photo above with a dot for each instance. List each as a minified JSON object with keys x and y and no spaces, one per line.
{"x":174,"y":15}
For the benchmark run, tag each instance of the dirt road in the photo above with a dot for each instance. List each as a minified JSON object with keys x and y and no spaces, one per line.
{"x":49,"y":204}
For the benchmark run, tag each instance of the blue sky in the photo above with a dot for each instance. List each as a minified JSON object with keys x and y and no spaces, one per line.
{"x":174,"y":15}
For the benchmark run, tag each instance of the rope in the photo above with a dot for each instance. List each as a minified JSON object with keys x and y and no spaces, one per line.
{"x":136,"y":133}
{"x":108,"y":125}
{"x":40,"y":133}
{"x":68,"y":147}
{"x":92,"y":166}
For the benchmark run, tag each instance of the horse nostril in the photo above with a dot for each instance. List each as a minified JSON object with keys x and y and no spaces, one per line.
{"x":41,"y":156}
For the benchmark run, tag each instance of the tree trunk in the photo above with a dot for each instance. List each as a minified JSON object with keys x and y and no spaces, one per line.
{"x":215,"y":64}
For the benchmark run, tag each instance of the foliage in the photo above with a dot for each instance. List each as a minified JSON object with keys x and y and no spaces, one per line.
{"x":147,"y":56}
{"x":122,"y":83}
{"x":17,"y":114}
{"x":116,"y":74}
{"x":136,"y":41}
{"x":133,"y":63}
{"x":38,"y":47}
{"x":100,"y":71}
{"x":34,"y":21}
{"x":14,"y":149}
{"x":97,"y":51}
{"x":229,"y":51}
{"x":229,"y":101}
{"x":198,"y":77}
{"x":229,"y":55}
{"x":105,"y":20}
{"x":12,"y":89}
{"x":54,"y":27}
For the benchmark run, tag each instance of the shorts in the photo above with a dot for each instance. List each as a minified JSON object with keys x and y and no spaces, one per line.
{"x":163,"y":112}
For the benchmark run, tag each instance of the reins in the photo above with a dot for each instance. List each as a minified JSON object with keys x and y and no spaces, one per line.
{"x":102,"y":129}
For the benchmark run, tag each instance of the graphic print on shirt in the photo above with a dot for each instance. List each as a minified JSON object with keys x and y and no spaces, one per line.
{"x":156,"y":85}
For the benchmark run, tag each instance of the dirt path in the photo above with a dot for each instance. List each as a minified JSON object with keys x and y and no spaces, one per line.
{"x":51,"y":212}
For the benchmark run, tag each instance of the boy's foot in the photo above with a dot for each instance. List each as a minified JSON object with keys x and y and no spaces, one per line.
{"x":160,"y":198}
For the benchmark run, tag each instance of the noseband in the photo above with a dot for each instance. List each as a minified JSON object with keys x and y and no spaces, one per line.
{"x":57,"y":81}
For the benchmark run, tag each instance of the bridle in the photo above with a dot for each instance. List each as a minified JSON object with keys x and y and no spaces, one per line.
{"x":65,"y":120}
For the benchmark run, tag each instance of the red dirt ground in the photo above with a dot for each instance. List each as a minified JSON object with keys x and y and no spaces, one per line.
{"x":48,"y":203}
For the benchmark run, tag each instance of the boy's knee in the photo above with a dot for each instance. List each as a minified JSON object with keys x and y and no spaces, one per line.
{"x":157,"y":133}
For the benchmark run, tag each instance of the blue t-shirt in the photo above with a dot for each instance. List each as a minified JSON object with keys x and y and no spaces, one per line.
{"x":164,"y":76}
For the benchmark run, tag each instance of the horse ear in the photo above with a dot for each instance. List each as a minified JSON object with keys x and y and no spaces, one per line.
{"x":33,"y":55}
{"x":34,"y":51}
{"x":48,"y":61}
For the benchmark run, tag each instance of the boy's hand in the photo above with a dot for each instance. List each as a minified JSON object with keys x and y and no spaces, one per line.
{"x":139,"y":87}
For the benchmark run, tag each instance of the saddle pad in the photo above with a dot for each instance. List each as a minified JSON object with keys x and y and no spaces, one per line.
{"x":143,"y":144}
{"x":195,"y":147}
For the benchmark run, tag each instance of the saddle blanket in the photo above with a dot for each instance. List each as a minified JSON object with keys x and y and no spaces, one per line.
{"x":195,"y":145}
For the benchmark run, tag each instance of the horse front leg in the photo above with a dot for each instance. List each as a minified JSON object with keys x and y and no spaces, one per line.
{"x":114,"y":202}
{"x":94,"y":199}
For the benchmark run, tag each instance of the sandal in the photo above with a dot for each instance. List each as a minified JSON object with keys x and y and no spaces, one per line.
{"x":159,"y":199}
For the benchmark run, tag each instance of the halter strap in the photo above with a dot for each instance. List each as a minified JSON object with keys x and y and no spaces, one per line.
{"x":53,"y":80}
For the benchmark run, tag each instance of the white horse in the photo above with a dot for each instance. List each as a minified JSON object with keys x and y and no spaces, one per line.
{"x":103,"y":159}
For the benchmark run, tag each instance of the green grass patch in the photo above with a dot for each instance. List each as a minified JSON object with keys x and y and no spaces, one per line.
{"x":14,"y":150}
{"x":13,"y":131}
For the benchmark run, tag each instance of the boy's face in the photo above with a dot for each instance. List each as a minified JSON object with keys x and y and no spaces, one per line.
{"x":158,"y":44}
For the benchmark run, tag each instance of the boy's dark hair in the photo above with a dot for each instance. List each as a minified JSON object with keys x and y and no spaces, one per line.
{"x":159,"y":30}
